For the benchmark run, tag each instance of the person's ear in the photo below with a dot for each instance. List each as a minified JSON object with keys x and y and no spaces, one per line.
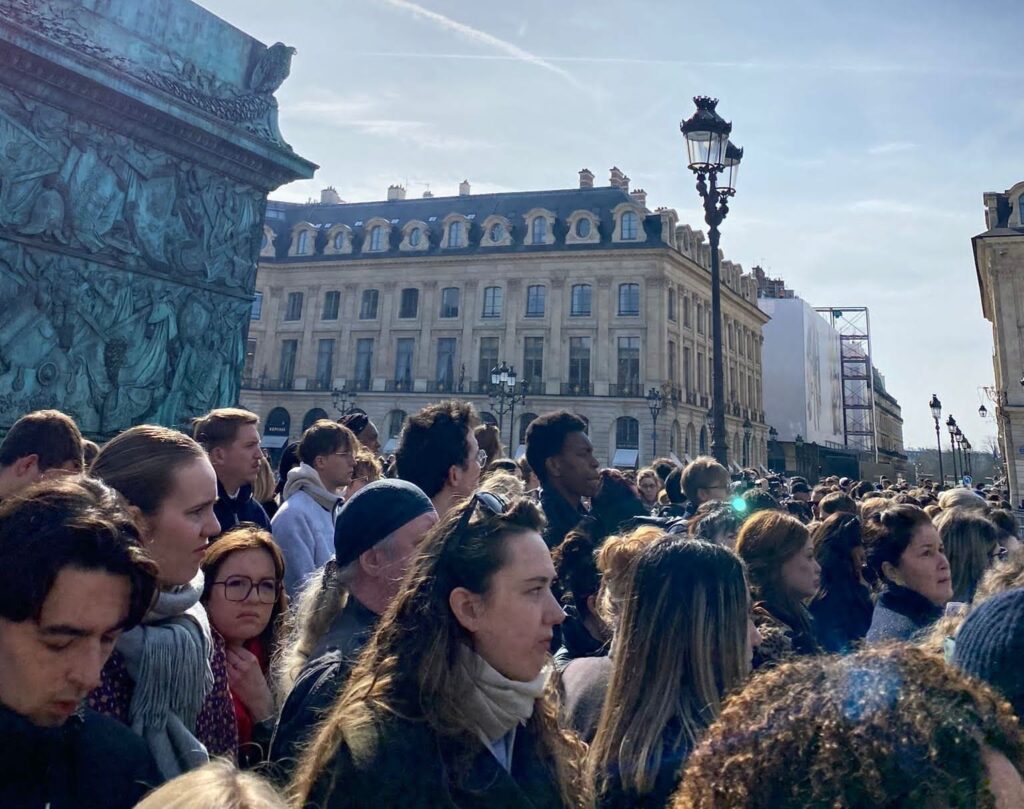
{"x":216,"y":456}
{"x":890,"y":572}
{"x":27,"y":466}
{"x":140,"y":520}
{"x":319,"y":462}
{"x":371,"y":563}
{"x":553,"y":465}
{"x":467,"y":607}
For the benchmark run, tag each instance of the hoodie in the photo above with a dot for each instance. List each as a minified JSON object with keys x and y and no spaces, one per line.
{"x":304,"y":526}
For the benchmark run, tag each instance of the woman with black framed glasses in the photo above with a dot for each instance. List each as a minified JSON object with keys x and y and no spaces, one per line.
{"x":449,"y":704}
{"x":245,"y":600}
{"x":842,"y":608}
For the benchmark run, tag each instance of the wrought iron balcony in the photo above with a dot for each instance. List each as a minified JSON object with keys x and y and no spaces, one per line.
{"x":576,"y":389}
{"x":398,"y":386}
{"x":629,"y":389}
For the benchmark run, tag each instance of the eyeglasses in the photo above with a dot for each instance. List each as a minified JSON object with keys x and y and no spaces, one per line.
{"x":481,"y":457}
{"x":238,"y":588}
{"x":493,"y":503}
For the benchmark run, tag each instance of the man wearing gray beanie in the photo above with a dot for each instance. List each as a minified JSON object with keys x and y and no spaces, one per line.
{"x":375,"y":538}
{"x":990,"y":645}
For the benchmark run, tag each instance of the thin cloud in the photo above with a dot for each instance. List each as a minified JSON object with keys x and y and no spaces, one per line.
{"x":890,"y":148}
{"x":508,"y":50}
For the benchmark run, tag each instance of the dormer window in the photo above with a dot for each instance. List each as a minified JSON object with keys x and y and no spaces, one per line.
{"x":338,"y":242}
{"x":496,"y":232}
{"x":628,"y":226}
{"x":415,"y":236}
{"x":302,"y":248}
{"x":455,"y":234}
{"x":583,"y":228}
{"x":539,"y":230}
{"x":376,"y":237}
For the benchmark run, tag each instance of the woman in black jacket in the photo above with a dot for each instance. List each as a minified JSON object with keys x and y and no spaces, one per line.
{"x":842,"y":608}
{"x":907,"y":561}
{"x":448,"y":704}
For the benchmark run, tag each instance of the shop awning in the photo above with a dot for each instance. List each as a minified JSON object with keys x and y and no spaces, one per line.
{"x":273,"y":441}
{"x":389,"y":446}
{"x":625,"y":458}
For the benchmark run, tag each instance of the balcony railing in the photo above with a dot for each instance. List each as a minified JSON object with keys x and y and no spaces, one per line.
{"x":629,"y":389}
{"x":266,"y":383}
{"x":319,"y":384}
{"x":576,"y":389}
{"x":359,"y":384}
{"x":398,"y":386}
{"x":438,"y":386}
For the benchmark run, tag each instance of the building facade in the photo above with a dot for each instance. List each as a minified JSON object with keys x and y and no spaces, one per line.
{"x":999,"y":263}
{"x":591,"y":296}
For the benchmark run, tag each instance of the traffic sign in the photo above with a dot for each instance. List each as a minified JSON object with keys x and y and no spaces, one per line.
{"x":968,"y":480}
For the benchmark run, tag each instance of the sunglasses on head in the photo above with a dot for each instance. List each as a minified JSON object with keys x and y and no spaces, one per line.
{"x":494,"y":504}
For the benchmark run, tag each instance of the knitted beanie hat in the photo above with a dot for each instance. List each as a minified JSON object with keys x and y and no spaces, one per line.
{"x":374,"y":512}
{"x":990,"y":645}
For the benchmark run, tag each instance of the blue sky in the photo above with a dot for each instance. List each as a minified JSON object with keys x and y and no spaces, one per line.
{"x":871,"y":131}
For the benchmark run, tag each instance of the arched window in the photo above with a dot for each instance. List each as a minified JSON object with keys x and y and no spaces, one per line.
{"x":703,"y":441}
{"x":628,"y":226}
{"x":746,"y":449}
{"x":583,"y":227}
{"x":524,"y":422}
{"x":376,"y":237}
{"x":339,"y":240}
{"x":396,"y":418}
{"x":691,"y":439}
{"x":455,"y":234}
{"x":313,"y":415}
{"x":627,"y":433}
{"x":414,"y":237}
{"x":303,"y":246}
{"x":488,"y":418}
{"x":676,"y":437}
{"x":539,"y":230}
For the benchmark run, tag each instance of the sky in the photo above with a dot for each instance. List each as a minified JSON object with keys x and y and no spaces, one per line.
{"x":871,"y":131}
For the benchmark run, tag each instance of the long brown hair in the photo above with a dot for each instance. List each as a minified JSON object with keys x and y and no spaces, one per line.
{"x":249,"y":537}
{"x":680,"y":646}
{"x":406,"y":670}
{"x":767,"y":540}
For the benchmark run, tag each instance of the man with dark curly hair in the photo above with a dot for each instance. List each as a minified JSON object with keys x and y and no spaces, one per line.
{"x":892,"y":726}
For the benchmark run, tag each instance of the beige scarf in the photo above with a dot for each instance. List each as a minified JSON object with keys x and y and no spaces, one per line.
{"x":495,"y":703}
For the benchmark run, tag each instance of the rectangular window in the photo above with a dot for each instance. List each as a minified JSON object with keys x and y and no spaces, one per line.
{"x":368,"y":305}
{"x":581,"y":300}
{"x":672,"y":359}
{"x":579,"y":361}
{"x":629,"y":299}
{"x":364,"y":362}
{"x":488,"y":360}
{"x":445,"y":361}
{"x":701,"y":374}
{"x":700,"y":318}
{"x":628,"y":369}
{"x":533,"y":363}
{"x":687,"y":370}
{"x":535,"y":300}
{"x":332,"y":302}
{"x":293,"y":309}
{"x":672,"y":304}
{"x":455,"y":234}
{"x":409,"y":303}
{"x":403,"y":360}
{"x":250,"y":359}
{"x":493,"y":297}
{"x":325,"y":364}
{"x":686,"y":311}
{"x":450,"y":302}
{"x":289,"y":353}
{"x":257,"y":306}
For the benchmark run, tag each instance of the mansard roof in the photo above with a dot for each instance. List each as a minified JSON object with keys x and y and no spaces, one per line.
{"x":282,"y":217}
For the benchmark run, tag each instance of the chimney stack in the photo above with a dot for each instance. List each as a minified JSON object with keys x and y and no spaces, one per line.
{"x":625,"y":183}
{"x":329,"y":196}
{"x":428,"y":194}
{"x":640,"y":196}
{"x":615,"y":180}
{"x":464,"y":188}
{"x":586,"y":178}
{"x":396,"y":192}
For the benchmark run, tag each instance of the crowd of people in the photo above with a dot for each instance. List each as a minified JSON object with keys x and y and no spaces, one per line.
{"x":182,"y":626}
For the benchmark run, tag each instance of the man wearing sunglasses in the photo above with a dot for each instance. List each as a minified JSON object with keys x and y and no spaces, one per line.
{"x":560,"y":453}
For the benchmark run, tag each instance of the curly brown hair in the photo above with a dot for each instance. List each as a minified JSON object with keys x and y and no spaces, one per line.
{"x":889,"y":726}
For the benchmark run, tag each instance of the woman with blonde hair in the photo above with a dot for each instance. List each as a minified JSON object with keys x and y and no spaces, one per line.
{"x":217,"y":785}
{"x":684,"y":641}
{"x":449,"y":705}
{"x":961,"y":498}
{"x":649,"y":484}
{"x":366,"y":469}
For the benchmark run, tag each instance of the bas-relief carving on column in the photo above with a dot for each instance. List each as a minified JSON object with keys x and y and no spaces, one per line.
{"x":126,"y":274}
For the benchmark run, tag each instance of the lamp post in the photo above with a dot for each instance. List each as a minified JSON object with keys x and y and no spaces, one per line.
{"x":748,"y":428}
{"x":506,"y":393}
{"x":959,"y":436}
{"x":343,"y":399}
{"x":773,"y":440}
{"x":936,"y":408}
{"x":716,"y":162}
{"x":967,"y":454}
{"x":951,"y":426}
{"x":798,"y":446}
{"x":655,"y":400}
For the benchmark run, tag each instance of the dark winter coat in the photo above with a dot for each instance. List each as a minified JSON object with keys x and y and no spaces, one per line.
{"x":901,"y":614}
{"x":584,"y":685}
{"x":91,"y":761}
{"x":577,"y":641}
{"x":561,"y":515}
{"x":783,"y":637}
{"x":243,"y":508}
{"x":395,"y":763}
{"x":319,"y":684}
{"x":674,"y":753}
{"x":842,"y":619}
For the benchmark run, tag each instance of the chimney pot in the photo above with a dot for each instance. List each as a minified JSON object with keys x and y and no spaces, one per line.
{"x":329,"y":196}
{"x":396,"y":192}
{"x":640,"y":196}
{"x":586,"y":178}
{"x":464,"y":188}
{"x":428,"y":194}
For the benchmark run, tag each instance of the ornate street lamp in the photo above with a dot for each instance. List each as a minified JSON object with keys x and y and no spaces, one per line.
{"x":655,"y":400}
{"x":506,"y":393}
{"x":798,"y":446}
{"x":748,"y":429}
{"x":966,"y":445}
{"x":773,"y":439}
{"x":343,"y":399}
{"x":712,"y":157}
{"x":951,"y":426}
{"x":936,"y":408}
{"x":983,"y":411}
{"x":959,"y":436}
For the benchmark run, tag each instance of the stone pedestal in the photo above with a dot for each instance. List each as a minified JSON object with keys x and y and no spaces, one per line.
{"x":138,"y":142}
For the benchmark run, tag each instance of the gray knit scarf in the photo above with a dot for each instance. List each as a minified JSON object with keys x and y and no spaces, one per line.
{"x":495,"y":703}
{"x":168,"y":659}
{"x":304,"y":478}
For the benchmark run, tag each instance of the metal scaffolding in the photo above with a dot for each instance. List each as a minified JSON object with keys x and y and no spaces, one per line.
{"x":853,"y":324}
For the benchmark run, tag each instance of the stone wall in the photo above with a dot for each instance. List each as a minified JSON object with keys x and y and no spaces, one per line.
{"x":133,"y":180}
